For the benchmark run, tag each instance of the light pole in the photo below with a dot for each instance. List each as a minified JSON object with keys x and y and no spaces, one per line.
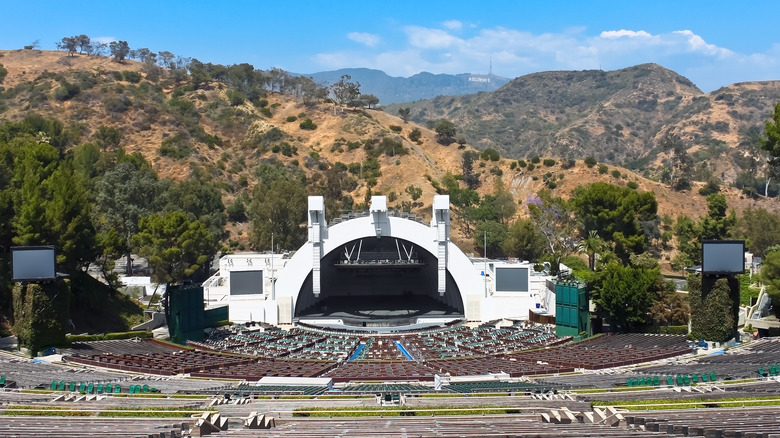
{"x":273,"y":282}
{"x":484,"y":253}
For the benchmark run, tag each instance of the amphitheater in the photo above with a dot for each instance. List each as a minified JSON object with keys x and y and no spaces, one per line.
{"x":380,"y":327}
{"x":503,"y":378}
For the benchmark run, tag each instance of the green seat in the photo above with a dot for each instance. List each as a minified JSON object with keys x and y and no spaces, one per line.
{"x":99,"y":388}
{"x":713,"y":377}
{"x":117,"y":388}
{"x":91,"y":388}
{"x":761,"y":372}
{"x":145,"y":388}
{"x":2,"y":381}
{"x":679,"y":380}
{"x":772,"y":370}
{"x":705,"y":377}
{"x":72,"y":386}
{"x":109,"y":388}
{"x":628,"y":382}
{"x":695,"y":378}
{"x":131,"y":389}
{"x":53,"y":385}
{"x":82,"y":387}
{"x":669,"y":380}
{"x":687,"y":380}
{"x":61,"y":386}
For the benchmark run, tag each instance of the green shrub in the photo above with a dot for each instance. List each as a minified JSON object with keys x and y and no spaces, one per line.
{"x":616,"y":173}
{"x":495,"y":170}
{"x":603,"y":169}
{"x":549,"y":162}
{"x":308,"y":125}
{"x":291,"y":119}
{"x":66,"y":91}
{"x":131,"y":76}
{"x":522,"y":163}
{"x":490,"y":154}
{"x":568,"y":163}
{"x":235,"y":98}
{"x":415,"y":135}
{"x":590,"y":162}
{"x":266,"y":112}
{"x":535,"y":160}
{"x":531,"y":166}
{"x":632,"y":185}
{"x":117,"y":104}
{"x":396,"y":128}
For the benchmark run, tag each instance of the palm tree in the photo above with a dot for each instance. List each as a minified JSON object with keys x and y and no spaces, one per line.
{"x":592,"y":246}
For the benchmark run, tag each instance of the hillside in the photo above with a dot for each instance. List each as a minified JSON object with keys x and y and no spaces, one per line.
{"x":617,"y":117}
{"x":181,"y":129}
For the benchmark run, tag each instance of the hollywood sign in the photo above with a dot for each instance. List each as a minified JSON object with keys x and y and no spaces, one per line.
{"x":478,"y":79}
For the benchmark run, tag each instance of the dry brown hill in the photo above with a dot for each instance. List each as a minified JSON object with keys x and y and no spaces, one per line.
{"x":185,"y":120}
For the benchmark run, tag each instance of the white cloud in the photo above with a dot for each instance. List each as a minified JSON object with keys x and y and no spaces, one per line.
{"x":367,"y":39}
{"x":697,"y":44}
{"x":453,"y":24}
{"x":514,"y":52}
{"x":425,"y":38}
{"x":624,"y":33}
{"x":103,"y":39}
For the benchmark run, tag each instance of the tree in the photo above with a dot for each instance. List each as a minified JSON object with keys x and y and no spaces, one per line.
{"x":495,"y":233}
{"x":467,"y":166}
{"x":175,"y":246}
{"x":278,"y":207}
{"x":624,"y":294}
{"x":70,"y":44}
{"x":760,"y":229}
{"x":682,"y":164}
{"x":617,"y":215}
{"x":445,"y":131}
{"x":524,"y":241}
{"x":718,"y":223}
{"x":770,"y":143}
{"x":404,"y":113}
{"x":107,"y":137}
{"x":770,"y":276}
{"x":669,"y":307}
{"x":345,"y":92}
{"x":125,"y":195}
{"x":592,"y":245}
{"x":84,"y":43}
{"x":369,"y":100}
{"x":556,"y":221}
{"x":413,"y":191}
{"x":119,"y":50}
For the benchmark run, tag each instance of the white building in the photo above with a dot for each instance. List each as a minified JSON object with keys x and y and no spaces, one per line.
{"x":379,"y":268}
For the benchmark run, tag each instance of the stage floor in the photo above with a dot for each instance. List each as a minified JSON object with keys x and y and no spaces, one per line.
{"x":372,"y":308}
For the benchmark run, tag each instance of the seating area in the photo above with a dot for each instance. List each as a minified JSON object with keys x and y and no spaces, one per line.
{"x":249,"y":390}
{"x":474,"y":366}
{"x":761,"y":421}
{"x":380,"y":370}
{"x":610,"y":351}
{"x":498,"y":386}
{"x":380,"y":388}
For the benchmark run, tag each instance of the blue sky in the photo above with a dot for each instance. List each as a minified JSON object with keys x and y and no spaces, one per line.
{"x":714,"y":43}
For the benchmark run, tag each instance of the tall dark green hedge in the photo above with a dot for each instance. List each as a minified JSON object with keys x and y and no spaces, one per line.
{"x":713,"y":315}
{"x":41,"y":314}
